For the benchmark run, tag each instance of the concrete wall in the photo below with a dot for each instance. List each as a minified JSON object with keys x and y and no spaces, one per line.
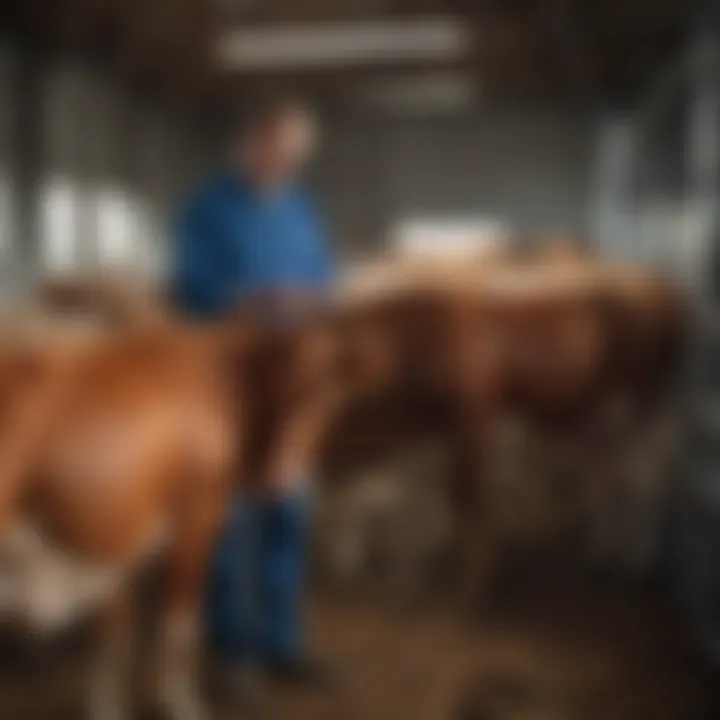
{"x":528,"y":167}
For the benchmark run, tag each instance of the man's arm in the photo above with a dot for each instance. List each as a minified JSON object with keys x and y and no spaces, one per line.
{"x":315,"y":271}
{"x":322,"y":269}
{"x":198,"y":282}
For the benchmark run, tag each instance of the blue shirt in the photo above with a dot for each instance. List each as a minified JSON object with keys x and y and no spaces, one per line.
{"x":233,"y":241}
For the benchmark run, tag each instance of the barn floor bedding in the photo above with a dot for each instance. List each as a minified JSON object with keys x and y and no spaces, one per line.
{"x":556,"y":652}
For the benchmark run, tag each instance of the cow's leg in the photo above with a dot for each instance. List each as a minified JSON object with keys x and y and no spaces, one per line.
{"x":476,"y":532}
{"x":646,"y":486}
{"x":108,"y":696}
{"x":198,"y":521}
{"x":603,"y":451}
{"x":180,"y":696}
{"x":610,"y":445}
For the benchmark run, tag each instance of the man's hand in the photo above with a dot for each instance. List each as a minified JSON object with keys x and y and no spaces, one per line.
{"x":289,"y":460}
{"x":277,"y":486}
{"x":280,"y":304}
{"x":284,"y":475}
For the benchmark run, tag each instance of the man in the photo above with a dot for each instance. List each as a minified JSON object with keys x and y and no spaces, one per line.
{"x":250,"y":238}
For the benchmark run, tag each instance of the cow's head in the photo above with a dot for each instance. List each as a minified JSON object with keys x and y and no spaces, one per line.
{"x":393,"y":347}
{"x":299,"y":379}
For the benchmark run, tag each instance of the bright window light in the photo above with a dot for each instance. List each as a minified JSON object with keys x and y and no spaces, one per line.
{"x":435,"y":92}
{"x":58,"y":218}
{"x":114,"y":228}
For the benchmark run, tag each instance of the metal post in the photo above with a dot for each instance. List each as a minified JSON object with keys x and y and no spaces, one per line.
{"x":612,"y":222}
{"x":703,"y":164}
{"x":26,"y":89}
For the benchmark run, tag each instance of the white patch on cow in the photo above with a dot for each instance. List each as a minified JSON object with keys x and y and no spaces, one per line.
{"x":45,"y":588}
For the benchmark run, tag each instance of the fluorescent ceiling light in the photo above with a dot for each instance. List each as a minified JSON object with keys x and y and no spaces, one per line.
{"x":434,"y":92}
{"x":349,"y":43}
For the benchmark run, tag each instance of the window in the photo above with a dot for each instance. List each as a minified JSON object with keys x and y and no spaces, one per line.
{"x":59,"y":224}
{"x":116,"y":235}
{"x":447,"y":237}
{"x":7,"y":215}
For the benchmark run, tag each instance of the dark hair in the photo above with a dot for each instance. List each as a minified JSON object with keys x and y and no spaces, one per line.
{"x":259,"y":111}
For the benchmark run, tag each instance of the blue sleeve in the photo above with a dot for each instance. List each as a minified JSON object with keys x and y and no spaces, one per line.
{"x":199,"y":283}
{"x":322,"y":263}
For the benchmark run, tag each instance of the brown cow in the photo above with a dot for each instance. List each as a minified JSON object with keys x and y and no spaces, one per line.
{"x":124,"y":451}
{"x":131,"y":442}
{"x":558,"y":339}
{"x":549,"y":342}
{"x":114,"y":299}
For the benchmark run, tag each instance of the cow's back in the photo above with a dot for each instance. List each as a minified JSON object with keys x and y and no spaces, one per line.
{"x":126,"y":434}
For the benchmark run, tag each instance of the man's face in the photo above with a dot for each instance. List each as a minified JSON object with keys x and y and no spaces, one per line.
{"x":277,"y":151}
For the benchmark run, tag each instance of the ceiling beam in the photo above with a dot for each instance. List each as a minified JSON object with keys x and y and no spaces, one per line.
{"x":192,"y":64}
{"x":575,"y":49}
{"x":579,"y":47}
{"x":147,"y":27}
{"x":77,"y":22}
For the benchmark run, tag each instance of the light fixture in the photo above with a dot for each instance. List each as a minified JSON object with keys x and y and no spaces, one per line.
{"x":270,"y":47}
{"x":420,"y":93}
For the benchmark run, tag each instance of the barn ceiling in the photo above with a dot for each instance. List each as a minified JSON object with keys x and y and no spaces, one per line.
{"x":566,"y":50}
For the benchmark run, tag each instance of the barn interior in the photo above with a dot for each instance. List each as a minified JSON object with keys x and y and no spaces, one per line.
{"x":447,"y":126}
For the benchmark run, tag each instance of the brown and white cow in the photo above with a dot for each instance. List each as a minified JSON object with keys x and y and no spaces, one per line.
{"x":126,"y":448}
{"x":123,"y":451}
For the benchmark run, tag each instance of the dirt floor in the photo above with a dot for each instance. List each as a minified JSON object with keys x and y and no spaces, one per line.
{"x":555,"y":652}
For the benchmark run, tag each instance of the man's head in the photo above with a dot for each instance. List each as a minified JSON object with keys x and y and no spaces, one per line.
{"x":275,"y":142}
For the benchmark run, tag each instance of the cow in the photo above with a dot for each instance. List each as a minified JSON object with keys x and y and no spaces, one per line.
{"x":125,"y":450}
{"x":122,"y":451}
{"x":434,"y":358}
{"x":114,"y":299}
{"x":551,"y":341}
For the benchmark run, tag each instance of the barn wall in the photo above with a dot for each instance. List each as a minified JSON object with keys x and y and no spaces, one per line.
{"x":94,"y":181}
{"x":113,"y":170}
{"x":527,"y":167}
{"x":656,"y":170}
{"x":644,"y":208}
{"x":108,"y":169}
{"x":8,"y":208}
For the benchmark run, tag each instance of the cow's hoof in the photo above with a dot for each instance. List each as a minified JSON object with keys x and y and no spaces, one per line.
{"x":107,"y":712}
{"x":199,"y":712}
{"x":242,"y":687}
{"x":482,"y":599}
{"x":184,"y":706}
{"x":472,"y":602}
{"x":107,"y":703}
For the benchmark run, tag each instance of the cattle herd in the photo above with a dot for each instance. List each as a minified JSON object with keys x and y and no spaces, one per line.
{"x":120,"y":444}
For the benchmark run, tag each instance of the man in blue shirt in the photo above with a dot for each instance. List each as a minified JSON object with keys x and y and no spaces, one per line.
{"x":251,"y":238}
